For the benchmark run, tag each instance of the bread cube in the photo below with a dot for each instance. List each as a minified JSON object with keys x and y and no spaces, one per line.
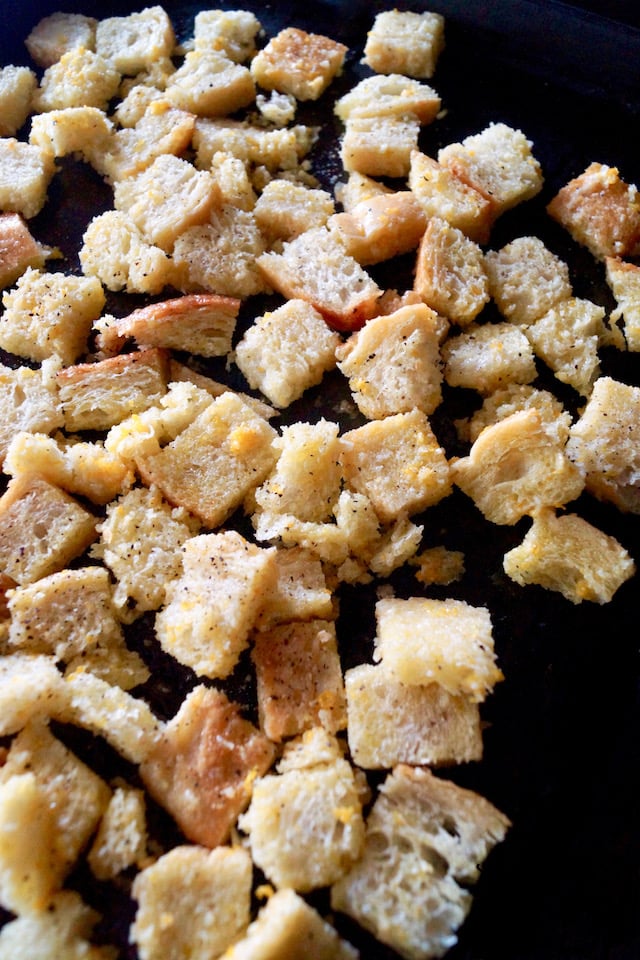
{"x":204,"y":765}
{"x":624,"y":281}
{"x":426,"y":837}
{"x":393,"y":95}
{"x":132,"y":43}
{"x":300,"y":591}
{"x":273,"y":149}
{"x":286,"y":351}
{"x":31,"y":688}
{"x":17,"y":85}
{"x":115,"y":665}
{"x":600,"y":211}
{"x":511,"y":399}
{"x":232,"y":177}
{"x":393,"y":363}
{"x":181,"y":373}
{"x":379,"y":146}
{"x":28,"y":401}
{"x":29,"y":876}
{"x":162,"y":129}
{"x":442,"y":194}
{"x":232,"y":32}
{"x":300,"y":63}
{"x":284,"y":210}
{"x":80,"y":78}
{"x":41,"y":529}
{"x":212,"y":607}
{"x":515,"y":467}
{"x":201,"y":323}
{"x":357,"y":188}
{"x":486,"y":357}
{"x":382,"y":227}
{"x":121,"y":839}
{"x":567,"y":338}
{"x":25,"y":174}
{"x":18,"y":249}
{"x":85,"y":131}
{"x":210,"y":84}
{"x":405,"y":42}
{"x":395,"y":547}
{"x":215,"y":462}
{"x":450,"y":275}
{"x":63,"y":929}
{"x":299,"y":679}
{"x":398,"y":463}
{"x":420,"y":724}
{"x":57,"y":34}
{"x":192,"y":901}
{"x":570,"y":556}
{"x":526,"y":279}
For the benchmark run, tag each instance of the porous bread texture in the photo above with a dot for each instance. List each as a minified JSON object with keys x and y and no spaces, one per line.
{"x":31,"y":688}
{"x":393,"y":95}
{"x":443,"y":194}
{"x":526,"y":279}
{"x":200,"y":323}
{"x":56,"y":34}
{"x":301,"y":591}
{"x":17,"y":85}
{"x":450,"y":274}
{"x":510,"y":399}
{"x":80,"y":78}
{"x":25,"y":173}
{"x":274,"y":149}
{"x":624,"y":280}
{"x":210,"y":84}
{"x":381,"y":227}
{"x":28,"y":401}
{"x":405,"y":42}
{"x":488,"y":356}
{"x":132,"y":43}
{"x":284,"y":210}
{"x":567,"y":338}
{"x":84,"y":131}
{"x":121,"y":839}
{"x":64,"y":929}
{"x":379,"y":146}
{"x":232,"y":32}
{"x":297,"y":62}
{"x":18,"y":249}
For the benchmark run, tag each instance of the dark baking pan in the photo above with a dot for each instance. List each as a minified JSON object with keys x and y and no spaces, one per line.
{"x":561,"y":740}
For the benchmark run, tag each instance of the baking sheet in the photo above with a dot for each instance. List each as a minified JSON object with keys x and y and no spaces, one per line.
{"x":561,"y":742}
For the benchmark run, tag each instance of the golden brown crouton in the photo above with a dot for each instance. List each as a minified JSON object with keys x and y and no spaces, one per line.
{"x":202,"y":323}
{"x":300,"y":63}
{"x":17,"y":85}
{"x":488,"y":356}
{"x":442,"y":194}
{"x":382,"y":227}
{"x":405,"y":42}
{"x":379,"y":146}
{"x":393,"y":95}
{"x":526,"y":279}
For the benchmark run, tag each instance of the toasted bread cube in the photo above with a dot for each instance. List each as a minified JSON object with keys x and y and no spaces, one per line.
{"x":624,"y":281}
{"x":405,"y":42}
{"x":284,"y":927}
{"x":25,"y":173}
{"x":286,"y":351}
{"x":204,"y":765}
{"x":357,"y":188}
{"x":315,"y":267}
{"x":305,"y":824}
{"x":210,"y":84}
{"x":49,"y":314}
{"x":379,"y":146}
{"x":115,"y":665}
{"x":284,"y":210}
{"x":18,"y":249}
{"x":212,"y":607}
{"x":166,"y":199}
{"x":392,"y":722}
{"x":300,"y":63}
{"x":515,"y":467}
{"x":29,"y":401}
{"x":201,"y":323}
{"x":274,"y":149}
{"x":604,"y":443}
{"x":450,"y":274}
{"x":232,"y":32}
{"x":385,"y":226}
{"x":41,"y":529}
{"x":567,"y":338}
{"x":17,"y":85}
{"x":80,"y":78}
{"x":300,"y":592}
{"x":57,"y":34}
{"x":486,"y":357}
{"x":448,"y":642}
{"x":30,"y":688}
{"x":134,"y":42}
{"x":442,"y":194}
{"x":232,"y":176}
{"x":497,"y":162}
{"x":299,"y":679}
{"x":85,"y":131}
{"x":393,"y":363}
{"x":600,"y":211}
{"x":62,"y":930}
{"x":511,"y":399}
{"x":567,"y":554}
{"x":161,"y":129}
{"x":526,"y":279}
{"x":215,"y":462}
{"x":29,"y":876}
{"x":326,"y":540}
{"x":192,"y":901}
{"x":121,"y":839}
{"x":425,"y":838}
{"x":398,"y":463}
{"x":393,"y":95}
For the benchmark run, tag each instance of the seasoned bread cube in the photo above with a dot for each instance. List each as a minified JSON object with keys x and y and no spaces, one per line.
{"x":488,"y":356}
{"x":85,"y":131}
{"x":393,"y":363}
{"x":300,"y":592}
{"x":300,"y":63}
{"x":450,"y":274}
{"x":600,"y":211}
{"x":80,"y":78}
{"x":448,"y":642}
{"x":382,"y":227}
{"x":57,"y":34}
{"x":392,"y":722}
{"x":212,"y":607}
{"x":202,"y":323}
{"x":50,"y":314}
{"x":315,"y":267}
{"x":567,"y":554}
{"x":358,"y":187}
{"x":232,"y":176}
{"x":515,"y":468}
{"x":132,"y":43}
{"x":624,"y":281}
{"x":17,"y":85}
{"x":526,"y":279}
{"x":209,"y":84}
{"x":286,"y":351}
{"x":393,"y":95}
{"x":25,"y":173}
{"x":28,"y":401}
{"x":511,"y":399}
{"x":273,"y":149}
{"x":64,"y":929}
{"x":31,"y":688}
{"x":204,"y":765}
{"x":18,"y":249}
{"x":215,"y":462}
{"x":95,"y":396}
{"x":405,"y":42}
{"x":379,"y":146}
{"x":426,"y":837}
{"x":442,"y":194}
{"x":397,"y":463}
{"x":41,"y":529}
{"x":191,"y":902}
{"x":567,"y":338}
{"x":121,"y":839}
{"x":299,"y":679}
{"x":28,"y":874}
{"x":232,"y":32}
{"x":284,"y":210}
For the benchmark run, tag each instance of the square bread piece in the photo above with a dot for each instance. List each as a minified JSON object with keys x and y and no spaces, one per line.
{"x":567,"y":338}
{"x":488,"y":356}
{"x":450,"y":274}
{"x":285,"y":209}
{"x":233,"y":32}
{"x":379,"y":146}
{"x":384,"y":226}
{"x":300,"y":63}
{"x":405,"y":42}
{"x":17,"y":85}
{"x":64,"y":928}
{"x":209,"y":84}
{"x":442,"y":194}
{"x":301,"y":591}
{"x":31,"y":688}
{"x":134,"y":42}
{"x":18,"y":249}
{"x":526,"y":279}
{"x":121,"y":839}
{"x":54,"y":35}
{"x":80,"y":78}
{"x":25,"y":174}
{"x":389,"y":96}
{"x":203,"y":767}
{"x":28,"y":402}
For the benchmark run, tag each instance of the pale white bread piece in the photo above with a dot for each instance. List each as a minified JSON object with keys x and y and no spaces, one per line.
{"x":405,"y":42}
{"x":397,"y":463}
{"x":601,"y":211}
{"x":286,"y":351}
{"x":17,"y":85}
{"x":114,"y":664}
{"x":526,"y":279}
{"x":567,"y":338}
{"x":382,"y":227}
{"x":450,"y":274}
{"x":515,"y":467}
{"x":18,"y":249}
{"x":510,"y":399}
{"x":379,"y":146}
{"x":422,"y":725}
{"x":488,"y":356}
{"x":85,"y":131}
{"x":280,"y":149}
{"x":191,"y":902}
{"x":284,"y":210}
{"x":25,"y":174}
{"x":232,"y":32}
{"x":604,"y":443}
{"x":442,"y":194}
{"x":201,"y":323}
{"x":357,"y":187}
{"x":301,"y":591}
{"x":393,"y":363}
{"x":209,"y":84}
{"x":28,"y":401}
{"x":213,"y":606}
{"x":80,"y":78}
{"x":64,"y":929}
{"x":121,"y":839}
{"x":299,"y":678}
{"x":58,"y":33}
{"x":234,"y":181}
{"x":204,"y":765}
{"x":623,"y":279}
{"x":425,"y":838}
{"x":315,"y":267}
{"x":277,"y":108}
{"x":287,"y":926}
{"x":567,"y":554}
{"x":132,"y":43}
{"x":297,"y":62}
{"x":42,"y":529}
{"x":31,"y":688}
{"x":391,"y":95}
{"x":448,"y":642}
{"x":141,"y":92}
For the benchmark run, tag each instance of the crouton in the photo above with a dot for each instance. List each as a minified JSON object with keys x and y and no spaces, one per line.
{"x":392,"y":95}
{"x":486,"y":357}
{"x":405,"y":42}
{"x":17,"y":85}
{"x":85,"y":131}
{"x":623,"y":279}
{"x":301,"y":591}
{"x":300,"y":63}
{"x":18,"y":249}
{"x":442,"y":194}
{"x":209,"y":84}
{"x":284,"y":210}
{"x":510,"y":399}
{"x":526,"y":279}
{"x":121,"y":839}
{"x":25,"y":174}
{"x":57,"y":34}
{"x":64,"y":929}
{"x":28,"y":401}
{"x":232,"y":32}
{"x":28,"y":875}
{"x":273,"y":149}
{"x":31,"y":688}
{"x":132,"y":43}
{"x":379,"y":146}
{"x":567,"y":338}
{"x":450,"y":274}
{"x":382,"y":227}
{"x":80,"y":78}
